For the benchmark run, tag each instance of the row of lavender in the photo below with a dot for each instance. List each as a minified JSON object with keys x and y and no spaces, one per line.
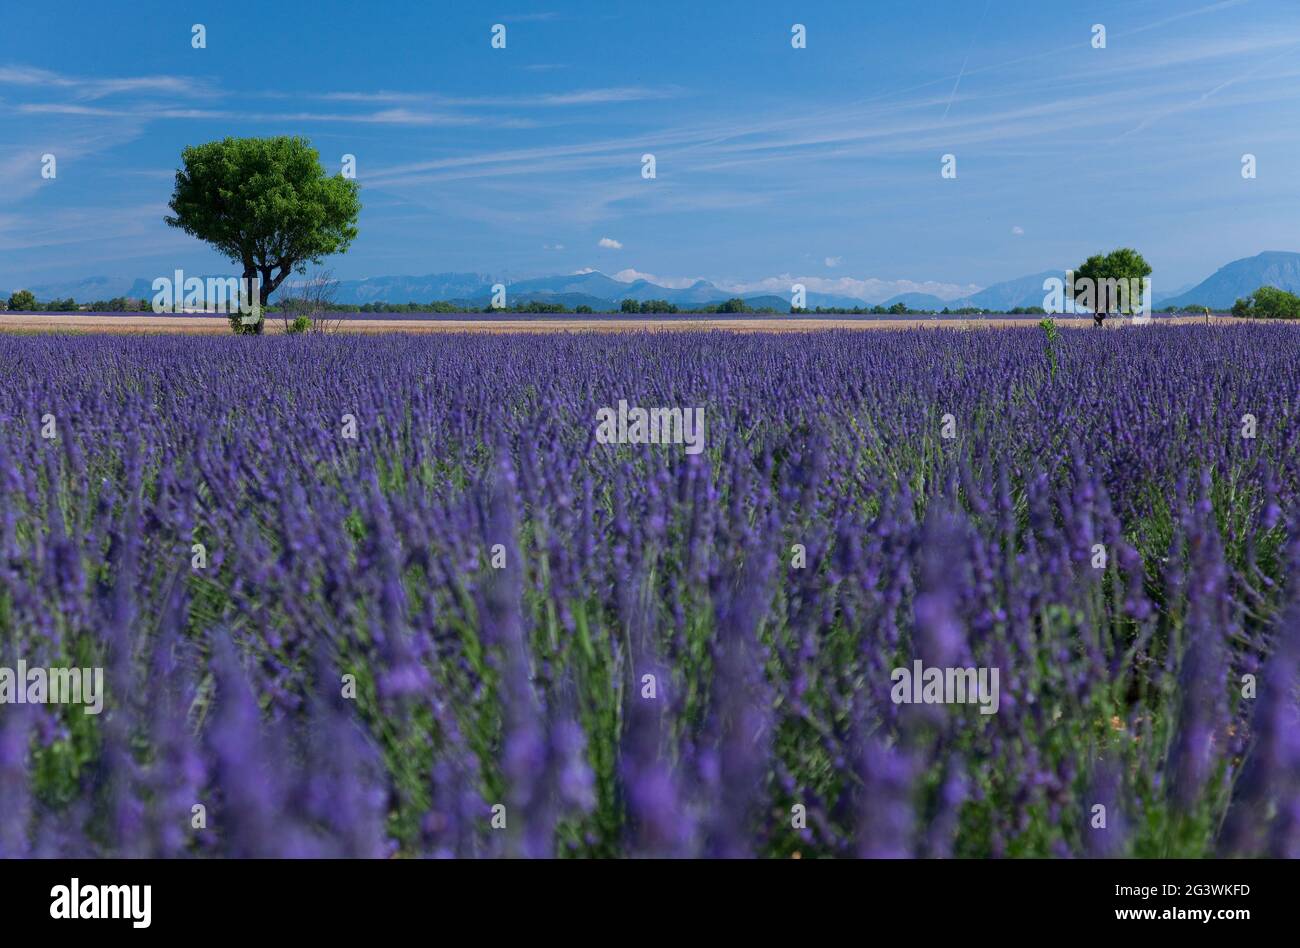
{"x":390,"y":596}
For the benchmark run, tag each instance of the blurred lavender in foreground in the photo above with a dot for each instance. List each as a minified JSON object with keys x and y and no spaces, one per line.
{"x":473,"y":630}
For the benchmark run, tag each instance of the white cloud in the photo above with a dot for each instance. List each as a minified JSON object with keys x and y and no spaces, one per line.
{"x":834,"y":261}
{"x":870,"y":290}
{"x":552,"y":246}
{"x":609,"y":243}
{"x":630,"y":275}
{"x":1017,"y":230}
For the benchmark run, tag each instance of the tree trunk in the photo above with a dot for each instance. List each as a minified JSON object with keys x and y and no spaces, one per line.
{"x":267,"y":287}
{"x":250,"y":274}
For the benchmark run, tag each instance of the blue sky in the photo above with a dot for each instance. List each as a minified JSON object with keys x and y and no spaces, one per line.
{"x":819,"y":164}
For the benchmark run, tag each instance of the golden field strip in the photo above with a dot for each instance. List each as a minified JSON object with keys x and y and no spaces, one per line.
{"x":211,"y":325}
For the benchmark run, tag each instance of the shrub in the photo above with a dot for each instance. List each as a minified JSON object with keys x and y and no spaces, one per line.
{"x":241,"y":328}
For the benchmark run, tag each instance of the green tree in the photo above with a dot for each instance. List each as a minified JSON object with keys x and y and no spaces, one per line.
{"x":1105,"y":271}
{"x":22,"y":301}
{"x":1268,"y":302}
{"x":734,"y":305}
{"x":630,"y":306}
{"x":267,"y":204}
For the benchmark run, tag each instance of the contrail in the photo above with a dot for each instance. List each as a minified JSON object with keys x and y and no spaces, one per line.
{"x":962,"y":71}
{"x":1152,"y":119}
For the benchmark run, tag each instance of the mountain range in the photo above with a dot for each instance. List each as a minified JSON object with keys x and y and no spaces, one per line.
{"x":1241,"y":278}
{"x":601,"y":292}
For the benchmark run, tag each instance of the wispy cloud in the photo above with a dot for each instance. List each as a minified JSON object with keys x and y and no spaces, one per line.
{"x":601,"y":96}
{"x":394,"y":116}
{"x":20,"y":161}
{"x":162,"y":98}
{"x":98,"y":88}
{"x":577,"y":97}
{"x":1288,"y":53}
{"x":97,"y":226}
{"x":529,"y":17}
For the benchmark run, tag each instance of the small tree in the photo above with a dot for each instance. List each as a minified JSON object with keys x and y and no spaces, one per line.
{"x":312,"y":302}
{"x":629,"y":306}
{"x":267,"y":204}
{"x":22,"y":301}
{"x":1105,"y":271}
{"x":734,"y":305}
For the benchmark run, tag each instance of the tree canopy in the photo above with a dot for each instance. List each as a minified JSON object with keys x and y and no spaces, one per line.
{"x":22,"y":300}
{"x":1269,"y":302}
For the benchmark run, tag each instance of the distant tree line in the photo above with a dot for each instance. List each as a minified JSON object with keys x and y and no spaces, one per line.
{"x":24,"y":301}
{"x":902,"y":309}
{"x":1267,"y":302}
{"x":437,"y":306}
{"x":647,"y":306}
{"x":898,"y":309}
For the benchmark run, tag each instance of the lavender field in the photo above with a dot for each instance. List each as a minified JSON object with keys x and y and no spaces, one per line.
{"x":390,"y":597}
